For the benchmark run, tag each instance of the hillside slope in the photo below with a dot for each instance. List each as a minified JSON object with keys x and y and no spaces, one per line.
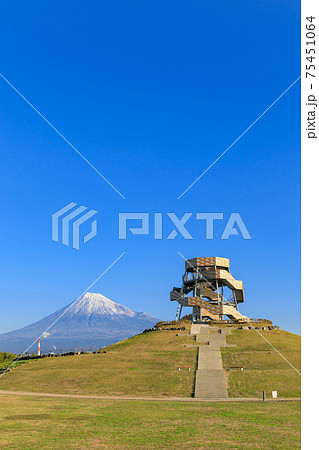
{"x":147,"y":365}
{"x":263,"y":368}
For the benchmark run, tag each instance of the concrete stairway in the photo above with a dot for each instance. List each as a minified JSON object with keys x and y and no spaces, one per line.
{"x":210,"y":381}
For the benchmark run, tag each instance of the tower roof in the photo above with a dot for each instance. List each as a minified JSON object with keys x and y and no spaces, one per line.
{"x":209,"y":261}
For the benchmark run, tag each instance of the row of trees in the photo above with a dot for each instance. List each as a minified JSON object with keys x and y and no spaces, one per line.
{"x":6,"y":359}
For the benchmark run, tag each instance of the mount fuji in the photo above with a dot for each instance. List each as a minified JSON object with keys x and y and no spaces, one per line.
{"x":93,"y":321}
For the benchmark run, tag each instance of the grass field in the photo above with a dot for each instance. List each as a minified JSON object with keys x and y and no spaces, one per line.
{"x":29,"y":423}
{"x":264,"y":369}
{"x":145,"y":365}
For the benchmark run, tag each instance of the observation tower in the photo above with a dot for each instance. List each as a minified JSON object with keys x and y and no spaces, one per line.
{"x":208,"y":280}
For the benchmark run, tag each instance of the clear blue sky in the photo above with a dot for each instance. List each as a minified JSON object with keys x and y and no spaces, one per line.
{"x":151,"y":93}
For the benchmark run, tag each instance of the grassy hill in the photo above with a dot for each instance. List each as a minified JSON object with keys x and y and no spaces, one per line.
{"x":144,"y":365}
{"x":263,"y":368}
{"x":147,"y":365}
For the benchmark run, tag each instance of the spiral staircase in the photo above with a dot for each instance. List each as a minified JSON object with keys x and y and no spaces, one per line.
{"x":205,"y":279}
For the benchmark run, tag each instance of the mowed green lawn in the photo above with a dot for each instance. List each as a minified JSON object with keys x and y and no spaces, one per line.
{"x":264,"y":369}
{"x":145,"y":365}
{"x":46,"y":423}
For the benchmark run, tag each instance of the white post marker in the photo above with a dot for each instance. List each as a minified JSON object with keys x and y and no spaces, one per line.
{"x":39,"y":350}
{"x":274,"y":394}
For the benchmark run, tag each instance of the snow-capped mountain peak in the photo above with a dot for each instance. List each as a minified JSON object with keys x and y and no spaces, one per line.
{"x":91,"y":320}
{"x":97,"y":304}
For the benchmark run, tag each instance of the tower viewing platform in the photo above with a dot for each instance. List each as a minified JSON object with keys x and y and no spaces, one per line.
{"x":208,"y":280}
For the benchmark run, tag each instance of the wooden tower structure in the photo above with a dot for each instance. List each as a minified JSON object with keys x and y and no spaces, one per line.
{"x":206,"y":278}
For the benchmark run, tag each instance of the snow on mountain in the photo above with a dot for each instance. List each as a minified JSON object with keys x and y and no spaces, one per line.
{"x":91,"y":321}
{"x":98,"y":304}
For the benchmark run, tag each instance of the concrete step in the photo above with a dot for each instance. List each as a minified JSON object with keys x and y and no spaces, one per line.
{"x":210,"y":384}
{"x":210,"y":381}
{"x":197,"y":328}
{"x":210,"y":360}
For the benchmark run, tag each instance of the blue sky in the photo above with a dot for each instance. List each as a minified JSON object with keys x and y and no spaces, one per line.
{"x":151,"y":93}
